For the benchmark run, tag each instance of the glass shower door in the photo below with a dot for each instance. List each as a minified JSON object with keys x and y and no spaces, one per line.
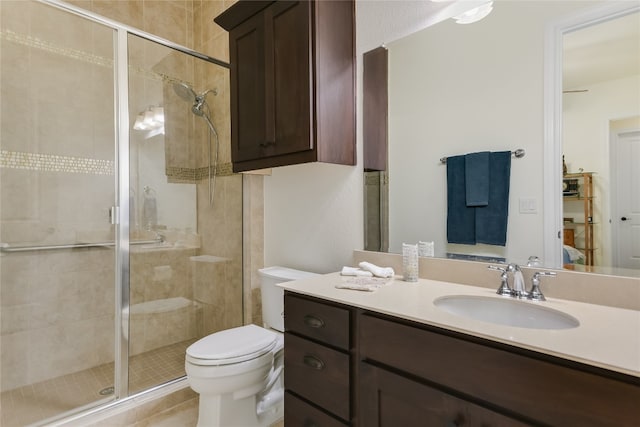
{"x":57,"y":185}
{"x":185,"y":205}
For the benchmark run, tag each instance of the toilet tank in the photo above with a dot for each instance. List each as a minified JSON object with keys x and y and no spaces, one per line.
{"x":273,"y":296}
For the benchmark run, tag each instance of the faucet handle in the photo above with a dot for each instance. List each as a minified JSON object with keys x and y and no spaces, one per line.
{"x":497,"y":267}
{"x":535,"y":293}
{"x":504,"y":288}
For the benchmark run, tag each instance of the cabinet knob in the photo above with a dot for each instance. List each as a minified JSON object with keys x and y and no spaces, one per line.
{"x":624,"y":218}
{"x":313,"y":362}
{"x":313,"y":321}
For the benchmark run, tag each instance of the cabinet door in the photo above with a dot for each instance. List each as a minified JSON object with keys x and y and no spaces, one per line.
{"x":289,"y":72}
{"x":271,"y":82}
{"x":299,"y":413}
{"x":389,"y":400}
{"x":248,"y":89}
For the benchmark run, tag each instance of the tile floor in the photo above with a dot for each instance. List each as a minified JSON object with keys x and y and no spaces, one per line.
{"x":49,"y":398}
{"x":183,"y":415}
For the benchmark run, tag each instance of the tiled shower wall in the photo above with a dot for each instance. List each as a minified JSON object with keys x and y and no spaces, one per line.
{"x":72,"y":292}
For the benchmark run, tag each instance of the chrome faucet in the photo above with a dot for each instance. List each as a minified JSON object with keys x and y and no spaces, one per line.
{"x":517,"y":288}
{"x":535,"y":293}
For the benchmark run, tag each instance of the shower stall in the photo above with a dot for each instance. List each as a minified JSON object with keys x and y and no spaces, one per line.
{"x":120,"y":218}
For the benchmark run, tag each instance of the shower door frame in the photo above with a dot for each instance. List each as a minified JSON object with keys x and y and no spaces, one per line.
{"x":120,"y":212}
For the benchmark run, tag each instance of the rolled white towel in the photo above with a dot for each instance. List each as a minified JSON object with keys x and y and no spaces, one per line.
{"x":377,"y":271}
{"x":353,"y":271}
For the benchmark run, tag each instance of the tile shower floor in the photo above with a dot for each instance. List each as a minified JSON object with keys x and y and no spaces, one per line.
{"x":49,"y":398}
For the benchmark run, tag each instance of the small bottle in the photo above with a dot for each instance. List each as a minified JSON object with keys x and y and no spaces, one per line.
{"x":149,"y":209}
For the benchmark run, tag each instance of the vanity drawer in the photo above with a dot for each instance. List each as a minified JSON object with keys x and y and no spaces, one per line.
{"x":540,"y":388}
{"x":319,"y":321}
{"x":317,"y":373}
{"x":300,"y":413}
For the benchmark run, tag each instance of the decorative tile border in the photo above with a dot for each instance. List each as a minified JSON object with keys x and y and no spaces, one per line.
{"x":55,"y":163}
{"x":35,"y":42}
{"x":178,"y":174}
{"x":80,"y":55}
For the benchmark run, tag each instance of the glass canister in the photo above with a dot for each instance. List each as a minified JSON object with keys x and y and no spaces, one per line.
{"x":410,"y":262}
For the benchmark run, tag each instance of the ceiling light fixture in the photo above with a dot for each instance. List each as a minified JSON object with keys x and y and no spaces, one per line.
{"x":475,"y":14}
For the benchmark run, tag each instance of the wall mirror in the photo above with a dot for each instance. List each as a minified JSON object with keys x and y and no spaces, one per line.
{"x":456,"y":89}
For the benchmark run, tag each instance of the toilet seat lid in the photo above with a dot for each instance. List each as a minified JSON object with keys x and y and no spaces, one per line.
{"x":232,"y":345}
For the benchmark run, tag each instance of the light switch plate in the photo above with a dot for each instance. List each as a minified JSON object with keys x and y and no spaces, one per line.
{"x":528,"y":205}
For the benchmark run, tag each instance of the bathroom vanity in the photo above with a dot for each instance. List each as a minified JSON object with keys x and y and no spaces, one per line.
{"x":390,"y":357}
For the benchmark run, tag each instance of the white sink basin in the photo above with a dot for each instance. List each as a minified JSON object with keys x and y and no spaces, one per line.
{"x":507,"y":312}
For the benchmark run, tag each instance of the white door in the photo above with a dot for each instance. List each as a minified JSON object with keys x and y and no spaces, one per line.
{"x":626,"y":213}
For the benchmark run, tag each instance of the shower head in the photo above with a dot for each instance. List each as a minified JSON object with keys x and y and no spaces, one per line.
{"x":200,"y":108}
{"x":184,"y":91}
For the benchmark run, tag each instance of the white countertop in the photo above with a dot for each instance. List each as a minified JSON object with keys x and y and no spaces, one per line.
{"x":607,"y":337}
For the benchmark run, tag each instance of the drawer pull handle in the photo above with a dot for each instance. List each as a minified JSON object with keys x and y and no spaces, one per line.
{"x":309,"y":423}
{"x":313,"y":362}
{"x":313,"y":321}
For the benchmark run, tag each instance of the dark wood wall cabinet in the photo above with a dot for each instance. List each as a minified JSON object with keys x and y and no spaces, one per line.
{"x":292,"y":82}
{"x":347,"y":366}
{"x":375,"y":114}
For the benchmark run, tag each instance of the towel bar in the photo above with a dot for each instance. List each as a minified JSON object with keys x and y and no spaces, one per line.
{"x":73,"y":246}
{"x":518,"y":154}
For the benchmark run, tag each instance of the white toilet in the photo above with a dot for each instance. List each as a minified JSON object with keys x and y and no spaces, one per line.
{"x":238,"y":372}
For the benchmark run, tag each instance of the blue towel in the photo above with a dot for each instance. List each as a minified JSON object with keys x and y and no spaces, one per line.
{"x":461,"y":219}
{"x":491,"y":220}
{"x":476,"y":170}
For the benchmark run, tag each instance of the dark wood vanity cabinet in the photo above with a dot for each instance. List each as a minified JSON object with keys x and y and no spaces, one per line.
{"x":347,"y":366}
{"x":292,"y":82}
{"x":476,"y":382}
{"x":317,"y":357}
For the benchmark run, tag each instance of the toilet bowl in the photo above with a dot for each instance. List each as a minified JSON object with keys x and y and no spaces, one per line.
{"x":238,"y":371}
{"x":237,"y":374}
